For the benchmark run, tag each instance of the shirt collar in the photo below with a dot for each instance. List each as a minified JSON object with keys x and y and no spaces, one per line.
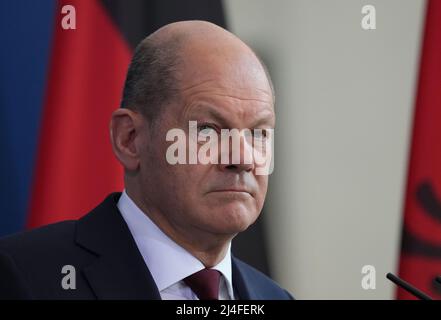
{"x":167,"y":261}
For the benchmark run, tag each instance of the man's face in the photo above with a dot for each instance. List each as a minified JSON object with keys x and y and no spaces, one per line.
{"x":213,"y":198}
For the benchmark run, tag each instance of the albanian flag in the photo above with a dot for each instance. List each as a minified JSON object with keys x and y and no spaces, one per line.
{"x":420,"y":260}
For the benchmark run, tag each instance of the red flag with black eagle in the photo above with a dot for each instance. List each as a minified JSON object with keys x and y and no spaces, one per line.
{"x":420,"y":261}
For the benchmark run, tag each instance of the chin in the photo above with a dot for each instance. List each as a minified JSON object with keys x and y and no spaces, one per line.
{"x":232,"y":219}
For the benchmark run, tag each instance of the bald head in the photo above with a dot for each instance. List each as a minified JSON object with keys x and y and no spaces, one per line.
{"x":167,"y":61}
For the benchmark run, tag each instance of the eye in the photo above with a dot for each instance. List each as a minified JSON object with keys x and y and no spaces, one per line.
{"x":206,"y":130}
{"x":261,"y":134}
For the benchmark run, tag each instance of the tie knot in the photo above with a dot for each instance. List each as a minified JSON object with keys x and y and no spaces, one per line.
{"x":205,"y":284}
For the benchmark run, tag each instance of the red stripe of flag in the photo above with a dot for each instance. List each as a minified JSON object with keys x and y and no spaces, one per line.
{"x":75,"y":167}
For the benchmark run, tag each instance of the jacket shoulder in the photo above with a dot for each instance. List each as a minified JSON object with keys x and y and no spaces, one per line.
{"x":31,"y":262}
{"x":47,"y":238}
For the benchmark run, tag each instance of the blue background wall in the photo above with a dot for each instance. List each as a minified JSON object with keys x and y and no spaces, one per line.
{"x":25,"y":32}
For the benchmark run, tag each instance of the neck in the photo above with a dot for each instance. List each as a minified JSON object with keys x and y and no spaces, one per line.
{"x":208,"y":248}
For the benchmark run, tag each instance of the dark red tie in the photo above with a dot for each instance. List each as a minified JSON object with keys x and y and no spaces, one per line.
{"x":205,"y":284}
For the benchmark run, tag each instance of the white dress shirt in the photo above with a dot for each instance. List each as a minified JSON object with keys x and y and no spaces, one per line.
{"x":167,"y":261}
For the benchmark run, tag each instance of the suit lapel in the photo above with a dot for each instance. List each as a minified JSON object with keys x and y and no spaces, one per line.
{"x":243,"y":287}
{"x":119,"y":271}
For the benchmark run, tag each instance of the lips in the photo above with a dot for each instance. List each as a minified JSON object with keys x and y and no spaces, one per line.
{"x":232,"y":190}
{"x":238,"y":190}
{"x":240,"y":184}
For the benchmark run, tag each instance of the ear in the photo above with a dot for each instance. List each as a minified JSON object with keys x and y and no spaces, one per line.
{"x":125,"y":136}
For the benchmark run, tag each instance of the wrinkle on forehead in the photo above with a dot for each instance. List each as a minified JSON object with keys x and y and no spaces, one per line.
{"x":213,"y":87}
{"x":231,"y":109}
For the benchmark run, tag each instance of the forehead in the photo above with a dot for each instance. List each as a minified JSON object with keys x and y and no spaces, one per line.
{"x":226,"y":78}
{"x":226,"y":64}
{"x":231,"y":106}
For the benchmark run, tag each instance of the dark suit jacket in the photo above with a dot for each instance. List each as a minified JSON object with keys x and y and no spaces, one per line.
{"x":106,"y":259}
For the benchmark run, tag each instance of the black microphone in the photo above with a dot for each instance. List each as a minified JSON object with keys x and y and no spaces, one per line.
{"x":408,"y":287}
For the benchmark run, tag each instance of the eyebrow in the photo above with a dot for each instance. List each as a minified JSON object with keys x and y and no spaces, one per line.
{"x":210,"y":110}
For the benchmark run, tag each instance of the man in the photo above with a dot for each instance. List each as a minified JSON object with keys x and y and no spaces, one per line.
{"x":168,"y":235}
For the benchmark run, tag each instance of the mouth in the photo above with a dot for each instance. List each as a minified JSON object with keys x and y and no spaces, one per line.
{"x":233,"y":191}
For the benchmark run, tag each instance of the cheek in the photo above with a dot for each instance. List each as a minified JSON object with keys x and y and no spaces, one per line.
{"x":186,"y":180}
{"x":262,"y":183}
{"x":262,"y":189}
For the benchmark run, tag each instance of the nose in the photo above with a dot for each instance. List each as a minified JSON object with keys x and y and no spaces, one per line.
{"x":237,"y":152}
